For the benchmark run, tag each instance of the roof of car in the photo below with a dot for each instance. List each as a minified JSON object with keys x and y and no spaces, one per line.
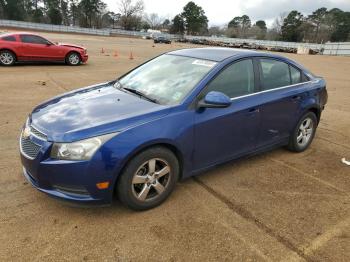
{"x":18,"y":33}
{"x":216,"y":54}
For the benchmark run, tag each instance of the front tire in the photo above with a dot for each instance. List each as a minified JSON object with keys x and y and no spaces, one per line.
{"x":7,"y":58}
{"x":73,"y":59}
{"x":303,"y":133}
{"x":148,"y":179}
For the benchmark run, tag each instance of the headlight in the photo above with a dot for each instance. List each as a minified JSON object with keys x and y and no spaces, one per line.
{"x":80,"y":150}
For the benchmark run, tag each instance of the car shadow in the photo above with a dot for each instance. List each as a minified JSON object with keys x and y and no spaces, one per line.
{"x":25,"y":64}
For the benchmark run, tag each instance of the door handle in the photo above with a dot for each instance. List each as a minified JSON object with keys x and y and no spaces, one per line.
{"x":253,"y":110}
{"x":296,"y":98}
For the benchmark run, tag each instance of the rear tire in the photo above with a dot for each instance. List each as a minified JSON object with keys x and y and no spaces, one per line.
{"x":7,"y":58}
{"x":148,"y":179}
{"x":303,"y":133}
{"x":73,"y":59}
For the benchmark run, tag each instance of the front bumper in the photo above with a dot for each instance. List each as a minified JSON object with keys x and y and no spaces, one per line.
{"x":84,"y":58}
{"x":73,"y":181}
{"x":80,"y":199}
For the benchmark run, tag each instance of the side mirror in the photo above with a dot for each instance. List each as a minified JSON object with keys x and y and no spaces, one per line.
{"x":215,"y":99}
{"x":48,"y":43}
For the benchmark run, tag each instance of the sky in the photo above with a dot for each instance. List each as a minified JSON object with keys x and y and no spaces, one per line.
{"x":220,"y":12}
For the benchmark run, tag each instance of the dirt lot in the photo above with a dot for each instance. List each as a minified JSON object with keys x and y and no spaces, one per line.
{"x":277,"y":206}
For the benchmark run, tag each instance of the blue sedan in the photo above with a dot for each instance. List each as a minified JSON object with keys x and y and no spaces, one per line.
{"x":170,"y":118}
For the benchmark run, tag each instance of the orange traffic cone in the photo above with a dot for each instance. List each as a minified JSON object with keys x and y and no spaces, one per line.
{"x":131,"y":57}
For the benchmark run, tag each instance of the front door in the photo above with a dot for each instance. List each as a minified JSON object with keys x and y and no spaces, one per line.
{"x":224,"y":133}
{"x":36,"y":48}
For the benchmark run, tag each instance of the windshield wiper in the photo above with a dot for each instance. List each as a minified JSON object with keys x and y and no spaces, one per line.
{"x":141,"y":94}
{"x":119,"y":86}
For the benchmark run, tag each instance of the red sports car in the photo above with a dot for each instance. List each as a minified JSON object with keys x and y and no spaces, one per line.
{"x":28,"y":47}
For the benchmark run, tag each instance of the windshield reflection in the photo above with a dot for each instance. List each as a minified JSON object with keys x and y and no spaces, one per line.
{"x":167,"y":78}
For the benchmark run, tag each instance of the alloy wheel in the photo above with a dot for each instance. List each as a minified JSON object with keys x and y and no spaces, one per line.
{"x":305,"y":132}
{"x":151,"y":179}
{"x":74,"y":59}
{"x":6,"y":58}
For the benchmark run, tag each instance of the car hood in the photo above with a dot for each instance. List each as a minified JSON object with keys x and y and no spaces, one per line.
{"x":71,"y":45}
{"x":93,"y":111}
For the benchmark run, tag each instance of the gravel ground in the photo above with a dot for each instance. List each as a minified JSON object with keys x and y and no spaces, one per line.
{"x":277,"y":206}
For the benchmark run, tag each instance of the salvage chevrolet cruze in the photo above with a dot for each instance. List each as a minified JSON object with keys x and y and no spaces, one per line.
{"x":170,"y":118}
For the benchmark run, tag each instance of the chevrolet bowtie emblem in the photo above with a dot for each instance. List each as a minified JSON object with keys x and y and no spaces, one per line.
{"x":26,"y":132}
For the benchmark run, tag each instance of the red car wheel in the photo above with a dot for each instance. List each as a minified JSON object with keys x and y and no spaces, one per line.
{"x":73,"y":59}
{"x":7,"y":58}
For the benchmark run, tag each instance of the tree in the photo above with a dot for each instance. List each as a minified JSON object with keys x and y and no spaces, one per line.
{"x":215,"y":30}
{"x":153,"y":20}
{"x":245,"y":24}
{"x":2,"y":6}
{"x":194,"y":19}
{"x":13,"y":9}
{"x":275,"y":33}
{"x":53,"y":11}
{"x":109,"y":19}
{"x":261,"y":24}
{"x":317,"y":18}
{"x":339,"y":24}
{"x":166,"y":24}
{"x":38,"y":15}
{"x":239,"y":25}
{"x":64,"y":11}
{"x":258,"y":30}
{"x":145,"y":26}
{"x":291,"y":27}
{"x":90,"y":12}
{"x":235,"y":22}
{"x":130,"y":12}
{"x":74,"y":11}
{"x":178,"y":26}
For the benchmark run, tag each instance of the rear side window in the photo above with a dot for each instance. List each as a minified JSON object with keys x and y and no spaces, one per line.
{"x":33,"y":39}
{"x":274,"y":74}
{"x":235,"y":80}
{"x":9,"y":38}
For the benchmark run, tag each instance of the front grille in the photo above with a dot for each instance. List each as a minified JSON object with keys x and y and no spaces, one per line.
{"x":28,"y":148}
{"x":37,"y":133}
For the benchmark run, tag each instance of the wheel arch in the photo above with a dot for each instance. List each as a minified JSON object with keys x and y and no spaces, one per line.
{"x":72,"y":51}
{"x":316,"y":111}
{"x":311,"y":104}
{"x":10,"y":50}
{"x":168,"y":145}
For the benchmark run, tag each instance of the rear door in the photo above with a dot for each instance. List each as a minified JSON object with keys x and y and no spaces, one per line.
{"x":224,"y":133}
{"x":283,"y":88}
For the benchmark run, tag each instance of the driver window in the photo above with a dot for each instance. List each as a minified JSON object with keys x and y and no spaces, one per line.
{"x":33,"y":39}
{"x":235,"y":80}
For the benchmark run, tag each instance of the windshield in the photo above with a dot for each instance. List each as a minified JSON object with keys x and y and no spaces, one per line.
{"x":166,"y":79}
